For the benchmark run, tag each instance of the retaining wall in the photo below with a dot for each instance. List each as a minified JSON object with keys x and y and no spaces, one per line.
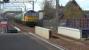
{"x":70,"y":32}
{"x":43,"y":32}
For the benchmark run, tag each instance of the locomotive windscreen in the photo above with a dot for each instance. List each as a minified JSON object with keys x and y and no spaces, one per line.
{"x":31,"y":13}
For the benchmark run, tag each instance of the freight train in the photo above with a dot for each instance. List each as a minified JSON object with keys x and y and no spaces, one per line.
{"x":30,"y":18}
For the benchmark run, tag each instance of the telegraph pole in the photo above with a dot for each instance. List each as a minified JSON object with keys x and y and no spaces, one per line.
{"x":56,"y":18}
{"x":33,"y":5}
{"x":57,"y":5}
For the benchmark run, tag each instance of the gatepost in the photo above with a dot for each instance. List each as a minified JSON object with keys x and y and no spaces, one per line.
{"x":3,"y":26}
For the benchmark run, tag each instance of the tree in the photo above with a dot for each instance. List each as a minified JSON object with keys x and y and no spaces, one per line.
{"x":48,"y":10}
{"x":72,"y":10}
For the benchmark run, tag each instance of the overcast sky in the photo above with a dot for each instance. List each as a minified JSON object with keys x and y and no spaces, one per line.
{"x":84,"y":4}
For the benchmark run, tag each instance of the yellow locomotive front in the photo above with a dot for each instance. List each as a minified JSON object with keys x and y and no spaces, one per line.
{"x":31,"y":18}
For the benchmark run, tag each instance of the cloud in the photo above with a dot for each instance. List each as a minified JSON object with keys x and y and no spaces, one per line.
{"x":63,"y":2}
{"x":83,"y":4}
{"x":82,"y":0}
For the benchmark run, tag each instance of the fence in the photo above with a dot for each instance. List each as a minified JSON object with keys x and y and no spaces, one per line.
{"x":82,"y":23}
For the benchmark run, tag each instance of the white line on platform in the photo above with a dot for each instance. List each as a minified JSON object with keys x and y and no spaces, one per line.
{"x":54,"y":45}
{"x":17,"y":28}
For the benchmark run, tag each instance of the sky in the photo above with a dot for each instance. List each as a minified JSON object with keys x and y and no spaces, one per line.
{"x":84,"y":4}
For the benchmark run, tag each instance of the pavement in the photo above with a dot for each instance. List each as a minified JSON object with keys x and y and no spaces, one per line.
{"x":22,"y":42}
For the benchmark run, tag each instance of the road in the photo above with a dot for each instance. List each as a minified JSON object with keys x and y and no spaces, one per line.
{"x":22,"y":42}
